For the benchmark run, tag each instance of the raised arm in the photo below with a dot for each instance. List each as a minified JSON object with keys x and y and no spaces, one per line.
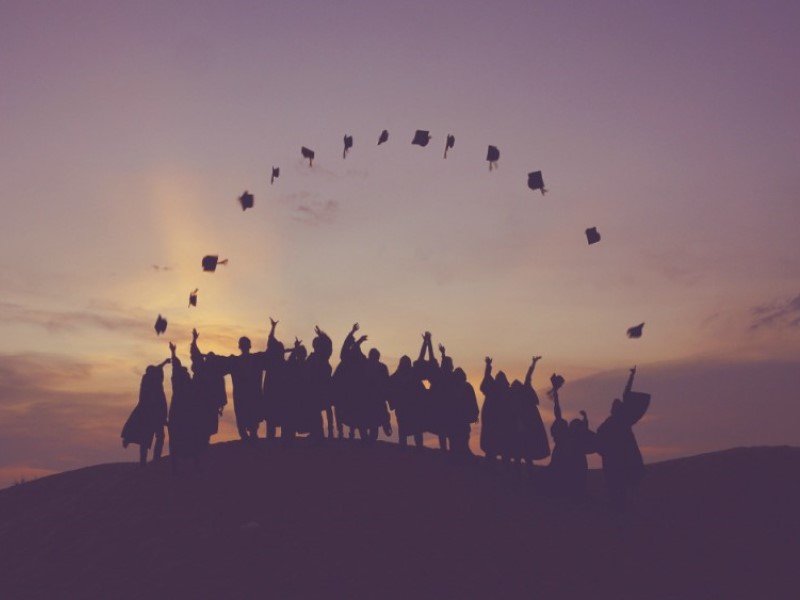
{"x":585,"y":418}
{"x":424,"y":346}
{"x":271,"y":337}
{"x":557,"y":406}
{"x":443,"y":352}
{"x":486,"y":384}
{"x":163,"y":363}
{"x":629,"y":385}
{"x":348,"y":342}
{"x":176,"y":362}
{"x":529,"y":374}
{"x":194,"y":351}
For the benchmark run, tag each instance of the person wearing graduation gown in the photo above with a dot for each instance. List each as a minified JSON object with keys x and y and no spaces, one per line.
{"x":496,"y":417}
{"x":347,"y":384}
{"x":406,"y":398}
{"x":187,"y":435}
{"x":530,"y":437}
{"x":374,"y":395}
{"x":275,"y":388}
{"x":428,"y":371}
{"x":568,"y":468}
{"x":246,"y":370}
{"x":209,"y":384}
{"x":319,"y":379}
{"x":148,"y":419}
{"x":300,"y":405}
{"x":441,"y":398}
{"x":462,"y":412}
{"x":623,"y":467}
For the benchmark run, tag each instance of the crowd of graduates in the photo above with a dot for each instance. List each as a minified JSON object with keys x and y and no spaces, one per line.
{"x":299,"y":393}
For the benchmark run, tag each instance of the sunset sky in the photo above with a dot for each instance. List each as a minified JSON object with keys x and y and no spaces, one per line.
{"x":127,"y":130}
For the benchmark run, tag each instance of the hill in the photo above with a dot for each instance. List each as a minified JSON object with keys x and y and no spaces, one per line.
{"x":347,"y":521}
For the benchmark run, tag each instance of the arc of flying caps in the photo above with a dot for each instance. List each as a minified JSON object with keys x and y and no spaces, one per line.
{"x":161,"y":325}
{"x":247,"y":200}
{"x":348,"y":143}
{"x":421,"y":138}
{"x":309,"y":154}
{"x":451,"y":141}
{"x":211,"y":261}
{"x":193,"y":297}
{"x":276,"y":172}
{"x":492,"y":155}
{"x":536,"y":181}
{"x":635,"y":332}
{"x":383,"y":138}
{"x":592,"y":235}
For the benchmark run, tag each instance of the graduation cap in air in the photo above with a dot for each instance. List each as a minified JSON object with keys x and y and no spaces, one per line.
{"x":276,"y":172}
{"x":492,"y":155}
{"x":210,"y":262}
{"x":451,"y":141}
{"x":161,"y":325}
{"x":421,"y":138}
{"x":536,"y":182}
{"x":348,"y":143}
{"x":384,"y":137}
{"x":635,"y":331}
{"x":592,"y":235}
{"x":246,"y":200}
{"x":309,"y":154}
{"x":193,"y":297}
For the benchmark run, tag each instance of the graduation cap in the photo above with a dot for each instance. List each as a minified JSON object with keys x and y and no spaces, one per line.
{"x":384,"y":137}
{"x":592,"y":236}
{"x":535,"y":181}
{"x":348,"y":143}
{"x":451,"y":141}
{"x":210,"y":262}
{"x":276,"y":172}
{"x":161,"y":325}
{"x":556,"y":381}
{"x":193,"y":297}
{"x":492,"y":155}
{"x":246,"y":200}
{"x":635,"y":331}
{"x":421,"y":138}
{"x":309,"y":154}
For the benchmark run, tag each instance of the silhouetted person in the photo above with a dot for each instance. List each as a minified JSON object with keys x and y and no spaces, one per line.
{"x":462,"y":411}
{"x":572,"y":441}
{"x":347,"y":381}
{"x":148,"y":418}
{"x":441,"y":396}
{"x":302,"y":414}
{"x":496,"y":417}
{"x":530,"y":437}
{"x":246,"y":372}
{"x":406,"y":398}
{"x":374,"y":395}
{"x":209,"y":385}
{"x":623,"y":466}
{"x":276,"y":386}
{"x":319,"y":378}
{"x":187,"y":436}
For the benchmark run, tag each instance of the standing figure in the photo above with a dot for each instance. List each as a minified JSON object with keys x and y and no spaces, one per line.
{"x":530,"y":437}
{"x":209,"y":385}
{"x":275,"y":388}
{"x":568,"y":468}
{"x":246,"y":370}
{"x":374,"y":395}
{"x":299,"y":415}
{"x":319,"y":380}
{"x":496,"y":417}
{"x":462,"y":412}
{"x":148,"y":419}
{"x":442,"y":396}
{"x":623,"y":466}
{"x":187,"y":435}
{"x":406,"y":398}
{"x":347,"y":383}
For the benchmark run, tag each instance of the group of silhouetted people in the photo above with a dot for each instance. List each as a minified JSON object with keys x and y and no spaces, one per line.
{"x":301,"y":394}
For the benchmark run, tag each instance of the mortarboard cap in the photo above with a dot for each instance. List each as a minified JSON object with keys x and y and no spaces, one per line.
{"x":451,"y":141}
{"x":246,"y":200}
{"x":384,"y":137}
{"x":193,"y":297}
{"x":556,"y":381}
{"x":161,"y":325}
{"x":210,"y":262}
{"x":492,"y":155}
{"x":276,"y":172}
{"x":421,"y":138}
{"x":536,"y":182}
{"x":636,"y":331}
{"x":348,"y":143}
{"x":309,"y":154}
{"x":592,"y":235}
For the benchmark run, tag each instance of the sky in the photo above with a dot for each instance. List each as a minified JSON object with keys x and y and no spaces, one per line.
{"x":127,"y":131}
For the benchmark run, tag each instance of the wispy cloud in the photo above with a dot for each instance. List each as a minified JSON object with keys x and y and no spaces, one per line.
{"x":315,"y":213}
{"x":783,"y":313}
{"x":68,"y":320}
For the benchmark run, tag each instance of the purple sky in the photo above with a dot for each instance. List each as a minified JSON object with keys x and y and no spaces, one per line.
{"x":128,"y":129}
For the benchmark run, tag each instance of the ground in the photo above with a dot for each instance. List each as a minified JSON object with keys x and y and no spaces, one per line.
{"x":343,"y":520}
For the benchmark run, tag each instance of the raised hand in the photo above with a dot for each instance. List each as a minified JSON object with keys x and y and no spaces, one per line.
{"x":536,"y":359}
{"x":583,"y":413}
{"x":441,"y":349}
{"x":633,"y":370}
{"x":273,"y":322}
{"x":317,"y":330}
{"x":362,"y":339}
{"x":488,"y":361}
{"x":172,"y":347}
{"x":195,"y":335}
{"x":355,"y":328}
{"x":297,"y":342}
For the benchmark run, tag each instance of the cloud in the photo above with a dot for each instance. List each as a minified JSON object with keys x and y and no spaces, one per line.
{"x":784,"y":313}
{"x":57,"y":320}
{"x":315,"y":213}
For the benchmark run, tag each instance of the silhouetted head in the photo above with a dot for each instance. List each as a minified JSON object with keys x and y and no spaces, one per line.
{"x":576,"y":425}
{"x":616,"y":406}
{"x":501,"y":380}
{"x":181,"y":375}
{"x":459,"y":375}
{"x":244,"y":344}
{"x":447,"y":364}
{"x":404,"y":364}
{"x":374,"y":355}
{"x":322,"y":346}
{"x":276,"y":349}
{"x":516,"y":385}
{"x":300,"y":353}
